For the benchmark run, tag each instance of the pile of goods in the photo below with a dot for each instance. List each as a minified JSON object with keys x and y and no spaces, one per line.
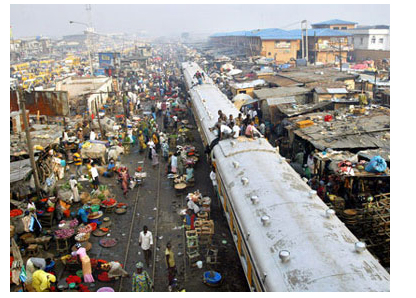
{"x":85,"y":229}
{"x":108,"y":203}
{"x":81,"y":237}
{"x":108,"y":242}
{"x":73,"y":223}
{"x":64,"y":233}
{"x":189,"y":155}
{"x":15,"y":212}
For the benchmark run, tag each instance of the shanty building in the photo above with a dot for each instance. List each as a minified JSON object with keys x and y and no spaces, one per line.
{"x":83,"y":93}
{"x":310,"y":76}
{"x":246,"y":87}
{"x":270,"y":98}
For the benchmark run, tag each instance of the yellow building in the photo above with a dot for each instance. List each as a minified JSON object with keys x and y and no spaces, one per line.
{"x":326,"y":45}
{"x":280,"y":50}
{"x":280,"y":45}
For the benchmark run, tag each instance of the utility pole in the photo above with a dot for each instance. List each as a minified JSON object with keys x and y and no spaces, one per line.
{"x":303,"y":44}
{"x":340,"y":56}
{"x":21,"y":99}
{"x":98,"y":117}
{"x":316,"y":45}
{"x":307,"y":45}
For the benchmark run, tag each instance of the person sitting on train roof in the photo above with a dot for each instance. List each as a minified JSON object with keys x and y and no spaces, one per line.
{"x":224,"y":131}
{"x":236,"y":130}
{"x":251,"y":131}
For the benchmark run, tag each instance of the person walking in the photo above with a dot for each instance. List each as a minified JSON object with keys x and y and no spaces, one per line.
{"x":74,"y":187}
{"x":146,"y":242}
{"x":155,"y":157}
{"x":141,"y":280}
{"x":78,"y":164}
{"x":94,"y":176}
{"x":170,"y":263}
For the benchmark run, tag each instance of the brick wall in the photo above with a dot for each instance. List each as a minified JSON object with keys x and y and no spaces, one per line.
{"x":360,"y":55}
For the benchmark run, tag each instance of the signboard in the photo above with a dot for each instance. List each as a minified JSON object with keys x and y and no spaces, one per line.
{"x":109,"y":60}
{"x":282,"y":45}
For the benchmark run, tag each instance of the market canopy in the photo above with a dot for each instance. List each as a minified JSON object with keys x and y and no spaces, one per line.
{"x":242,"y":99}
{"x":241,"y":96}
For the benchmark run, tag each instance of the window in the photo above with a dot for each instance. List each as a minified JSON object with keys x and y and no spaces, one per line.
{"x":352,"y":40}
{"x":373,"y":39}
{"x":343,"y":28}
{"x":269,"y":54}
{"x":361,"y":40}
{"x":380,"y":40}
{"x":336,"y":28}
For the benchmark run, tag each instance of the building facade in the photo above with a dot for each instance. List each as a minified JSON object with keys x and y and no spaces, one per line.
{"x":371,"y":38}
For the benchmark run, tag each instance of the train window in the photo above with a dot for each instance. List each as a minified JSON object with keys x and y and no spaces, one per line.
{"x":242,"y":92}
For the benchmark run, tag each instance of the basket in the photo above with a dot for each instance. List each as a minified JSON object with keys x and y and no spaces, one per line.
{"x":81,"y":237}
{"x":95,"y":202}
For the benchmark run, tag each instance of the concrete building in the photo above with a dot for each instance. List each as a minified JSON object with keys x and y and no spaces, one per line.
{"x":335,"y":24}
{"x":83,"y":92}
{"x":325,"y":45}
{"x":280,"y":45}
{"x":370,"y":42}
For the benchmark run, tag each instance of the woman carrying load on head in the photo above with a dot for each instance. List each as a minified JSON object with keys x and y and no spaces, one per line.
{"x":85,"y":261}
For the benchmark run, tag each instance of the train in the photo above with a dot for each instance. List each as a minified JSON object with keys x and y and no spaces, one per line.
{"x":287,"y":238}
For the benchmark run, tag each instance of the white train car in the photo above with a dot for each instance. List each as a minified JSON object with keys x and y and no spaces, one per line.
{"x":285,"y":236}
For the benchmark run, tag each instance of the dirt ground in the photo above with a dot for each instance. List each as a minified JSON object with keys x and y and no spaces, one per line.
{"x":158,"y":202}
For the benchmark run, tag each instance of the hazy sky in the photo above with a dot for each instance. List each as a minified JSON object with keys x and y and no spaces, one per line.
{"x":53,"y":20}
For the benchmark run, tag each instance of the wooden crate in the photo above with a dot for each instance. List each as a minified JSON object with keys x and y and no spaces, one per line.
{"x":304,"y":123}
{"x":191,"y":233}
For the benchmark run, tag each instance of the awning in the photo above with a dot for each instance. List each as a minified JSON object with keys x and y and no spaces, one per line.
{"x":242,"y":96}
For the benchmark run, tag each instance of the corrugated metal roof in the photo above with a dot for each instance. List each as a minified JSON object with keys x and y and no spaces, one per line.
{"x":265,"y":34}
{"x":281,"y":100}
{"x":280,"y":81}
{"x":326,"y":32}
{"x":279,"y":92}
{"x":321,"y":90}
{"x":337,"y":90}
{"x":20,"y":169}
{"x":248,"y":84}
{"x":274,"y":33}
{"x":335,"y":22}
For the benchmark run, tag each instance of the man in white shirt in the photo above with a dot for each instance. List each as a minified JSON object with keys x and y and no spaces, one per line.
{"x":236,"y":130}
{"x":225,"y":131}
{"x":146,"y":242}
{"x":94,"y":175}
{"x":92,"y":135}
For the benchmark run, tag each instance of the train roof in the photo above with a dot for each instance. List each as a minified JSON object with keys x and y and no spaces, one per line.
{"x":322,"y":250}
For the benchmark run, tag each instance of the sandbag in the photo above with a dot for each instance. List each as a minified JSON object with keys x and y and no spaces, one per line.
{"x":85,"y":197}
{"x":376,"y":165}
{"x":65,"y":195}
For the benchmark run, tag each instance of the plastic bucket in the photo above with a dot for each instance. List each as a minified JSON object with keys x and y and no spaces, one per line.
{"x":105,"y":289}
{"x":95,"y":208}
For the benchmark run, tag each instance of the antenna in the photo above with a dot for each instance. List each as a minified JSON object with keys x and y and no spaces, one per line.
{"x":89,"y":16}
